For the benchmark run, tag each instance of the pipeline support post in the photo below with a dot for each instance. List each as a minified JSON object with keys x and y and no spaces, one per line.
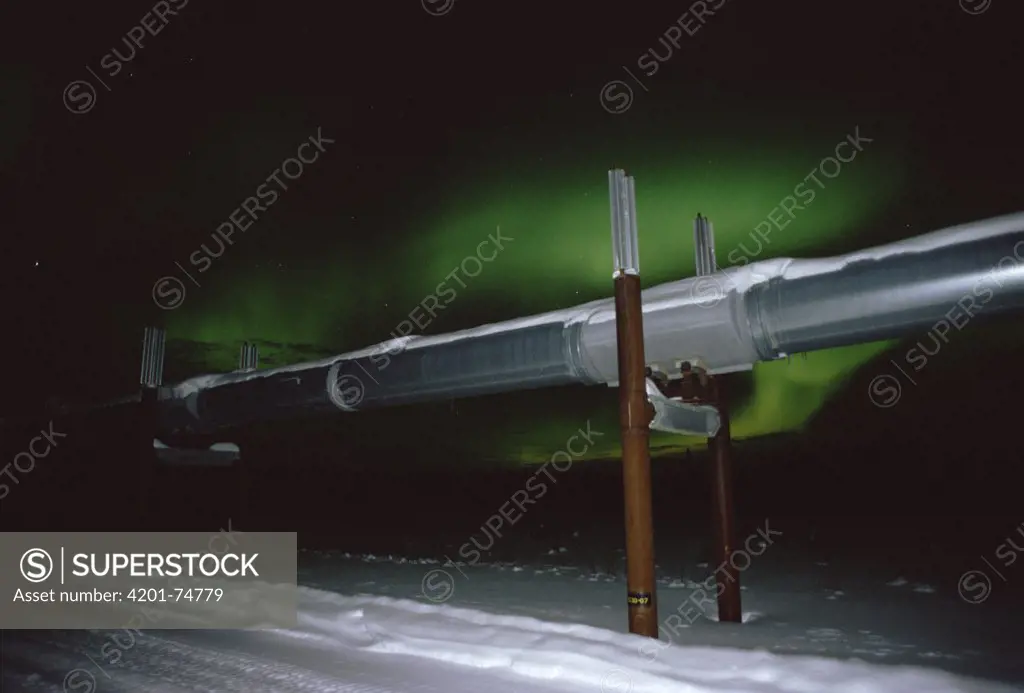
{"x":151,"y":376}
{"x":248,"y":361}
{"x":635,"y":411}
{"x":720,"y":447}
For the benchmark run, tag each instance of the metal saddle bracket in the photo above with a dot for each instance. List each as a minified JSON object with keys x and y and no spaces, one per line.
{"x":672,"y":415}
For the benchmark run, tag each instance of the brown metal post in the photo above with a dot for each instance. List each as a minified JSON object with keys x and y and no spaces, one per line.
{"x":635,"y":414}
{"x":635,"y":410}
{"x":697,"y":386}
{"x":720,"y":447}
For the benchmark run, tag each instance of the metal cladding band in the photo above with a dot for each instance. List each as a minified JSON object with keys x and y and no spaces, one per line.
{"x":725,"y":322}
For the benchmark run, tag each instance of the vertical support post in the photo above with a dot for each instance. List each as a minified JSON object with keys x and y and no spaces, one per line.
{"x":704,"y":246}
{"x":145,"y":465}
{"x":150,"y":378}
{"x":720,"y":447}
{"x":248,"y":357}
{"x":635,"y":412}
{"x":152,"y":372}
{"x":248,"y":360}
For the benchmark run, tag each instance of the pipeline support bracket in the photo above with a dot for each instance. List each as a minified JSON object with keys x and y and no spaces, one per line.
{"x":673,"y":415}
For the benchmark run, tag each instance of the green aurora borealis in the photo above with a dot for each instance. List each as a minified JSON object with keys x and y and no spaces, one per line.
{"x":556,"y":209}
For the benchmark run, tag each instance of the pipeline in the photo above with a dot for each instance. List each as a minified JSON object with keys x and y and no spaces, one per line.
{"x":722,"y":322}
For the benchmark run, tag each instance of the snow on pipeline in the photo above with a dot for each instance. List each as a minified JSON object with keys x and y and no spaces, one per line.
{"x":369,"y":644}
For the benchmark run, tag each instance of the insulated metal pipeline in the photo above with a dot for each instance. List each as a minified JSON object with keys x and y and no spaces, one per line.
{"x":940,"y":279}
{"x":726,"y":321}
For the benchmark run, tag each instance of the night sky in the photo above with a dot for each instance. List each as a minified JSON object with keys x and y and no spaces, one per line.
{"x":437,"y":126}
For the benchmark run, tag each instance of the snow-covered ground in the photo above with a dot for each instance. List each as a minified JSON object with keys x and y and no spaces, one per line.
{"x":853,"y":585}
{"x":387,"y":623}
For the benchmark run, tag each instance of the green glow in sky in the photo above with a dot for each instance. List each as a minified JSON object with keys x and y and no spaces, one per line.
{"x":560,"y":220}
{"x":558,"y":216}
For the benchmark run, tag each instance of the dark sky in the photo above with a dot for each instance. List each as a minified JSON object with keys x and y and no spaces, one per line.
{"x":426,"y":111}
